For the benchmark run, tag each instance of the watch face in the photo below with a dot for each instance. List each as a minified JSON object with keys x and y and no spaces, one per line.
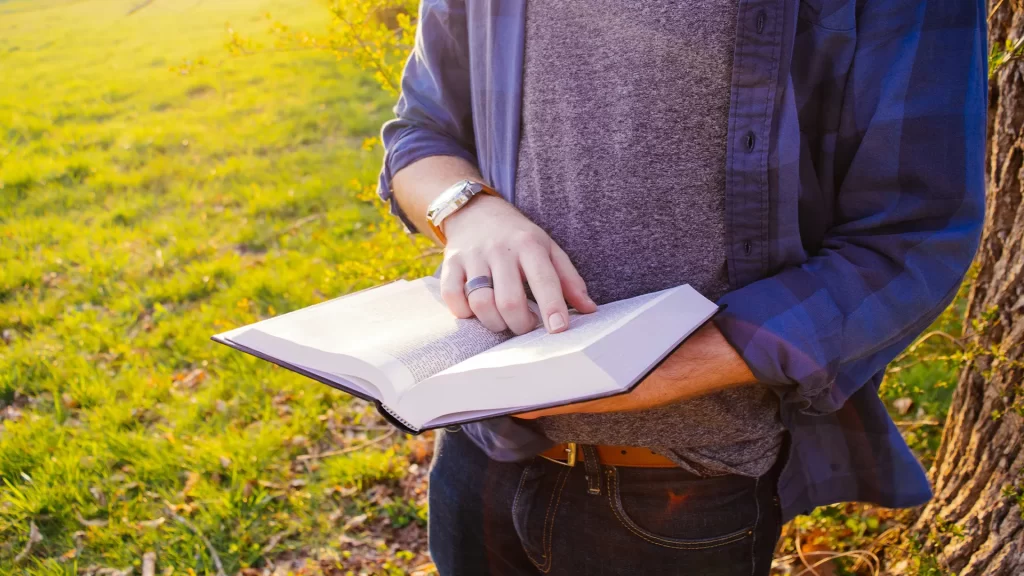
{"x":450,"y":200}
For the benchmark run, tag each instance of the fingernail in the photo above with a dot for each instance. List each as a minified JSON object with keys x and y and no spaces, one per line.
{"x":556,"y":322}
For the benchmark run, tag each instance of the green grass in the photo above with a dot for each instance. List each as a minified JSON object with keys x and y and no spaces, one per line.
{"x":147,"y":202}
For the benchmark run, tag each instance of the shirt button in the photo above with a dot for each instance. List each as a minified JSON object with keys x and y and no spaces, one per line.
{"x":746,"y":247}
{"x":750,"y":141}
{"x":761,"y":17}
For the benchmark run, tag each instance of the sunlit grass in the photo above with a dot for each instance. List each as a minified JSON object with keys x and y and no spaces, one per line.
{"x":142,"y":210}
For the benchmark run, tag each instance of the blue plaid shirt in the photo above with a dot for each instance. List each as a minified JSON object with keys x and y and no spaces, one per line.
{"x":854,"y":201}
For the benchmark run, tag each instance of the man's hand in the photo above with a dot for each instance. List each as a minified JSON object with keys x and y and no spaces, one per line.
{"x":705,"y":363}
{"x":489,"y":237}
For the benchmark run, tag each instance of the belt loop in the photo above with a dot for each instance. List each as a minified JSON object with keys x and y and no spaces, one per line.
{"x":592,"y":465}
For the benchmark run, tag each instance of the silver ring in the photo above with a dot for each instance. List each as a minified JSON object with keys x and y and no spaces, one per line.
{"x":476,"y":283}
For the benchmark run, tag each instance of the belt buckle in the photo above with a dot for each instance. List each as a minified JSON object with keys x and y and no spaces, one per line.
{"x":570,"y":455}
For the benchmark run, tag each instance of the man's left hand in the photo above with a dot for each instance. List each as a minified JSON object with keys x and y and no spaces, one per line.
{"x":705,"y":363}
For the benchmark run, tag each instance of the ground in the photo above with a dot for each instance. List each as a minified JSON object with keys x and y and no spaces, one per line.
{"x":156,"y":189}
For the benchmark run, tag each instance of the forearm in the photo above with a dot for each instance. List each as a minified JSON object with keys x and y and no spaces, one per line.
{"x":704,"y":364}
{"x":419,"y":183}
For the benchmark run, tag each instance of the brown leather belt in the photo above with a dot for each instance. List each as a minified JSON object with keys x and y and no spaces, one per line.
{"x":568,"y":454}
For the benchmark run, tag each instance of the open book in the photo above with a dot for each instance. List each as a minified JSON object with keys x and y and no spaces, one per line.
{"x":399,"y":346}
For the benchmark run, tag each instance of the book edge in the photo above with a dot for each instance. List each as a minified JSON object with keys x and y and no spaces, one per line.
{"x":626,"y":390}
{"x":297,"y":369}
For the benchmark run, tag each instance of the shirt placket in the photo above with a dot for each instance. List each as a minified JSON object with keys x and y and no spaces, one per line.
{"x":752,"y":108}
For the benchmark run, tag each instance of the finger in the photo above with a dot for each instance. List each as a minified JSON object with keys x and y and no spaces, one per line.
{"x":453,"y":280}
{"x":574,"y":289}
{"x":509,"y":295}
{"x":546,"y":287}
{"x":481,"y":300}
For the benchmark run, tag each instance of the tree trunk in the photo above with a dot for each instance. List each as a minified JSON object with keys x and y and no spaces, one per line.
{"x":976,"y":521}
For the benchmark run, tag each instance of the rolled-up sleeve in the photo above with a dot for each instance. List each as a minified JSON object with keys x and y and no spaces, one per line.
{"x":909,"y":212}
{"x":433,"y":115}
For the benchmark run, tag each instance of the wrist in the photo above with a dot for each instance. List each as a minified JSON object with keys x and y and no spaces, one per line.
{"x":479,"y":207}
{"x":452,"y":200}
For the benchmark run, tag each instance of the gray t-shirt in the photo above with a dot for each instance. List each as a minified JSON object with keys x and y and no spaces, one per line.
{"x":622,"y":162}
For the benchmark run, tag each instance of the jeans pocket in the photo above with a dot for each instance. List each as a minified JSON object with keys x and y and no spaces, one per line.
{"x":691,"y":514}
{"x":534,"y":509}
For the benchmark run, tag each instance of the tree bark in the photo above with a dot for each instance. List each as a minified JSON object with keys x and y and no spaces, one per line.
{"x":975,"y":524}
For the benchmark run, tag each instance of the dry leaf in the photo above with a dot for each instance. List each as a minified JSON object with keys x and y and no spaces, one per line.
{"x":152,"y":523}
{"x":190,"y":483}
{"x":902,"y":405}
{"x":247,"y":489}
{"x":354,"y":522}
{"x":192,"y":379}
{"x":149,"y":564}
{"x":98,"y":494}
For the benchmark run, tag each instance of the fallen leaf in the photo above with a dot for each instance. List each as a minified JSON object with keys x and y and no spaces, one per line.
{"x":190,"y":483}
{"x":247,"y":489}
{"x":68,"y":400}
{"x":193,"y":378}
{"x":354,"y":522}
{"x":98,"y":494}
{"x":152,"y":523}
{"x":902,"y":405}
{"x":149,"y":564}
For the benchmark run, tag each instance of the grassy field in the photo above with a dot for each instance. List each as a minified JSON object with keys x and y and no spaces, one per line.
{"x":155,"y":190}
{"x":145,"y":204}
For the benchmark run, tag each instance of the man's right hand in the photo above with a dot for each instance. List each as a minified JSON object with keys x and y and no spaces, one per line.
{"x":489,"y":237}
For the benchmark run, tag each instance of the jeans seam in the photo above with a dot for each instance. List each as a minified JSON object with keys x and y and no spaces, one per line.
{"x":519,"y":490}
{"x":551,"y":526}
{"x":666,"y":543}
{"x":545,"y":542}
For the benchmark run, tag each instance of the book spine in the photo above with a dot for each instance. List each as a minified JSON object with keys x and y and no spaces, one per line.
{"x":396,"y":420}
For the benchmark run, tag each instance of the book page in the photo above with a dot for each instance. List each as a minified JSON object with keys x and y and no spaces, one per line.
{"x":406,"y":332}
{"x":584,"y":329}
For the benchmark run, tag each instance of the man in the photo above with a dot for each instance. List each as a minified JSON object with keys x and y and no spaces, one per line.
{"x":814,"y":165}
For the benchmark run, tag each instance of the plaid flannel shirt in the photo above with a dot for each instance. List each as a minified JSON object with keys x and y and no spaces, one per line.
{"x":854,"y":201}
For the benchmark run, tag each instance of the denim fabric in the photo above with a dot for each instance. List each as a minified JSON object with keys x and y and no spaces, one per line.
{"x":540,"y":517}
{"x":854,"y":201}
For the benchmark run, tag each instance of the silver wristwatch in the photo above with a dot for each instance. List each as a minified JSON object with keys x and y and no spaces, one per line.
{"x":453,"y":198}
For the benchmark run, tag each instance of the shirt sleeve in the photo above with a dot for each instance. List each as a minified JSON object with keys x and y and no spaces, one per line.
{"x":433,"y":115}
{"x":909,"y":210}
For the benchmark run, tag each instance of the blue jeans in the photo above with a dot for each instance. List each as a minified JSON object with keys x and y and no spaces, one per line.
{"x":540,"y":517}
